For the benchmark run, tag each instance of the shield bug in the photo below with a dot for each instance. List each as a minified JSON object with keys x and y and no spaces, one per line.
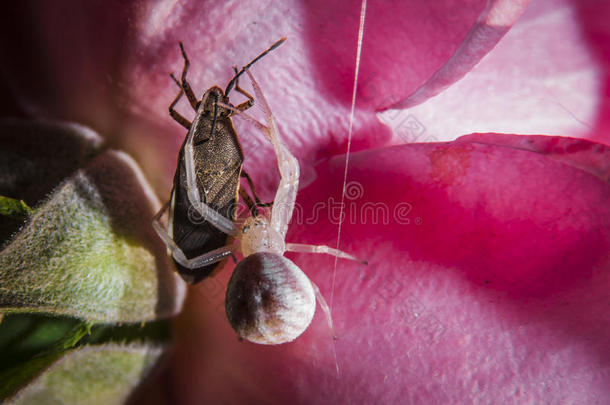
{"x":208,"y":171}
{"x":269,"y":300}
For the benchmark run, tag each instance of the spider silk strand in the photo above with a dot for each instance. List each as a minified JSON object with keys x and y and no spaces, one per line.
{"x":347,"y":155}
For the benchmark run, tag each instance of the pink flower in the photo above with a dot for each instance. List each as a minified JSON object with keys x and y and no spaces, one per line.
{"x":488,"y":271}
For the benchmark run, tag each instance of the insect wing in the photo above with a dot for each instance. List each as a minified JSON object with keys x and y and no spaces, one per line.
{"x":217,"y":161}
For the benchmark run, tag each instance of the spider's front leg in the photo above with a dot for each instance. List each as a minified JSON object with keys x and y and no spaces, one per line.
{"x":285,"y":197}
{"x":288,"y":165}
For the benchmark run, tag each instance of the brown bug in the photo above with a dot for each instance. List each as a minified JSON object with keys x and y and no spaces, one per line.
{"x":208,"y":171}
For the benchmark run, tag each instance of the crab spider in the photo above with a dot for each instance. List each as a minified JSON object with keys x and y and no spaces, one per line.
{"x":269,"y":299}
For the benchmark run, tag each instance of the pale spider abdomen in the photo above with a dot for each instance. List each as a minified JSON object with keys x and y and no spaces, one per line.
{"x":269,"y":299}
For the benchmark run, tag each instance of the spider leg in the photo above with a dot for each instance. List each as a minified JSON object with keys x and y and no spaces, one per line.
{"x":288,"y":165}
{"x":303,"y":248}
{"x":205,"y":259}
{"x":211,"y":257}
{"x":325,"y":308}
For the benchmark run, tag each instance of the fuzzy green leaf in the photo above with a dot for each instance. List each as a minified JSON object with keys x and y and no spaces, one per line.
{"x":29,"y":344}
{"x":91,"y":375}
{"x":19,"y":376}
{"x":89,"y":251}
{"x":84,"y":280}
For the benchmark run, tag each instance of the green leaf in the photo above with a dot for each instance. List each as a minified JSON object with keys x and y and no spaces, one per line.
{"x":16,"y":209}
{"x":85,"y":283}
{"x":90,"y":251}
{"x":90,"y":375}
{"x":29,"y":344}
{"x":17,"y":377}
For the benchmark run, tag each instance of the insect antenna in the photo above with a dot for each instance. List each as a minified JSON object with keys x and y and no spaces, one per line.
{"x":252,"y":62}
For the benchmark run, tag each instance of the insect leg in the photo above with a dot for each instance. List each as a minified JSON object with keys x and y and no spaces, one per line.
{"x":159,"y":214}
{"x":184,"y":85}
{"x":246,"y":104}
{"x":251,"y":204}
{"x":253,"y":190}
{"x":302,"y":248}
{"x":175,"y":114}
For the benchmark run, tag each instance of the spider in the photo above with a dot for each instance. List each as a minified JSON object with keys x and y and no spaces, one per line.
{"x":269,"y":299}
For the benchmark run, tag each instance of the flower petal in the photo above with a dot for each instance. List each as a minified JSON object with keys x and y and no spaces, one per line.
{"x":494,"y":21}
{"x":107,"y":66}
{"x":548,"y":76}
{"x":488,"y":280}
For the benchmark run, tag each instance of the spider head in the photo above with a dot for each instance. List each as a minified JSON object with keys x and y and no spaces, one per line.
{"x":257,"y":235}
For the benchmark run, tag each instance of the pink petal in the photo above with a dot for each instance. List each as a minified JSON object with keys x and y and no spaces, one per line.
{"x":594,"y":16}
{"x":493,"y":22}
{"x":107,"y":66}
{"x":487,"y":284}
{"x":548,"y":75}
{"x":588,"y":156}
